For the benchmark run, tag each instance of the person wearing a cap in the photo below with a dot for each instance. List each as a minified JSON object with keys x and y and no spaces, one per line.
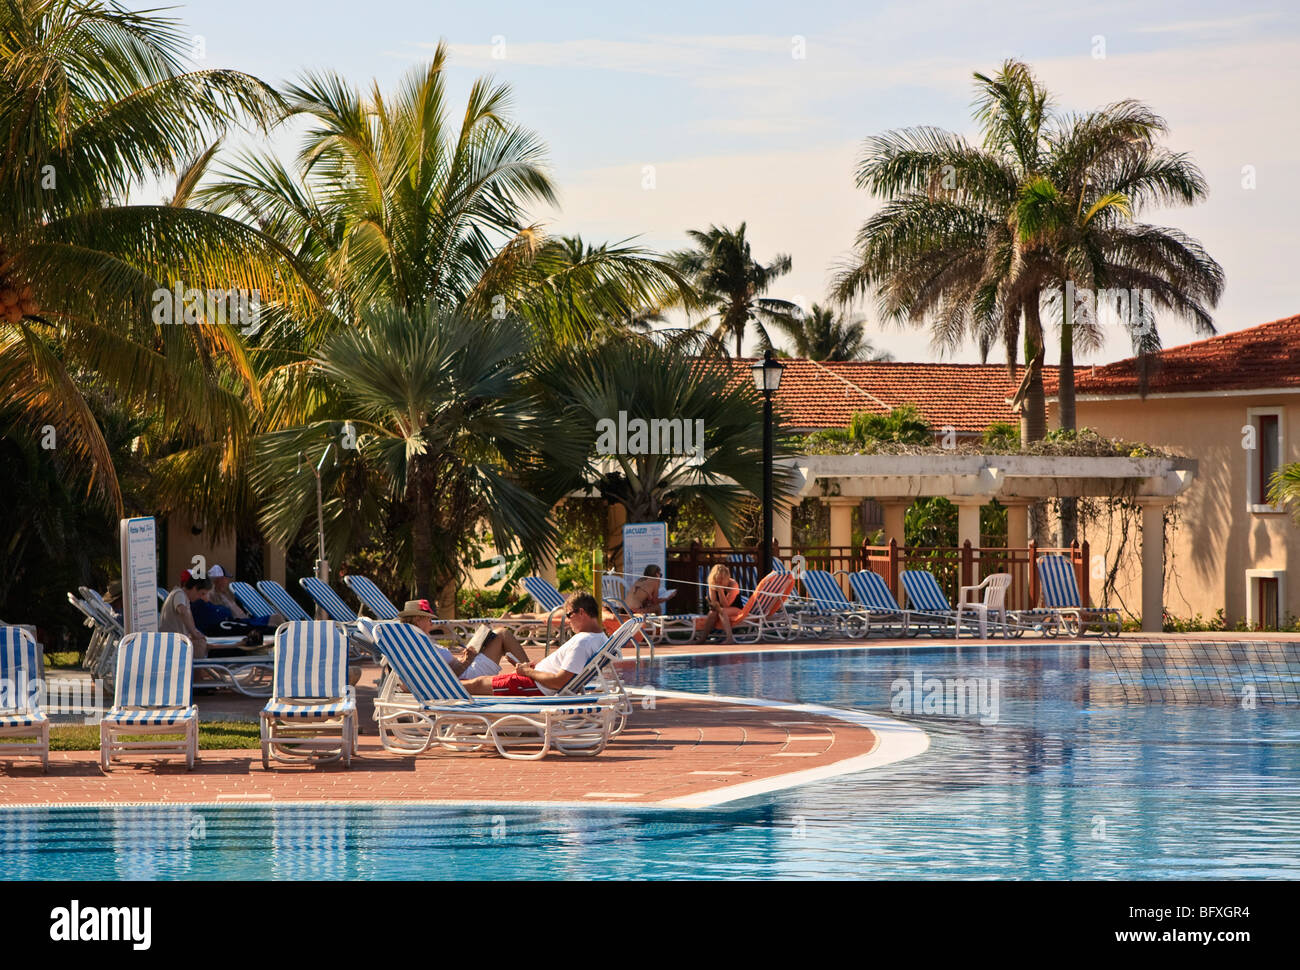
{"x":223,"y":597}
{"x":481,"y":656}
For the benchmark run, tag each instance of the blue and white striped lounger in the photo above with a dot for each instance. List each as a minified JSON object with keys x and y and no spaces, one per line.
{"x":312,"y":714}
{"x":372,"y":597}
{"x":874,"y":595}
{"x":151,"y":696}
{"x":22,"y":680}
{"x":826,"y":610}
{"x":927,"y":602}
{"x":360,"y":632}
{"x":279,"y":597}
{"x":1059,"y":591}
{"x":251,"y":600}
{"x":435,"y":707}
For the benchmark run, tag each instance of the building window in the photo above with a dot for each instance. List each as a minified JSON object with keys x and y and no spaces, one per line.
{"x":1265,"y":597}
{"x":1264,"y":458}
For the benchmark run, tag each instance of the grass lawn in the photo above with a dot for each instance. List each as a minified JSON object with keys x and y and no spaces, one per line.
{"x":63,"y":659}
{"x":212,"y":735}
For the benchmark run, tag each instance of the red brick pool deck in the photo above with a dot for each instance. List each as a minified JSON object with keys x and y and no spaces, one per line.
{"x":683,"y":750}
{"x":674,"y":747}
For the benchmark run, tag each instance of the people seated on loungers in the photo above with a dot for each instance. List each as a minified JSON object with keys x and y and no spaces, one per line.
{"x":481,"y":656}
{"x":551,"y":674}
{"x":644,"y":596}
{"x":176,"y":616}
{"x":222,"y":596}
{"x":723,"y":591}
{"x":214,"y":620}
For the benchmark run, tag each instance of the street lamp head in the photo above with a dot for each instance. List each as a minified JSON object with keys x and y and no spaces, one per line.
{"x":767,"y":373}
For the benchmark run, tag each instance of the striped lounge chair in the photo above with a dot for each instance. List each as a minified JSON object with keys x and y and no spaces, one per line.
{"x":279,"y":597}
{"x":1059,"y":591}
{"x":361,"y":637}
{"x":928,"y":604}
{"x":22,"y":679}
{"x":433,"y":707}
{"x":151,"y":696}
{"x":312,"y":714}
{"x":826,"y":611}
{"x":253,"y":602}
{"x":372,"y":597}
{"x":874,"y":596}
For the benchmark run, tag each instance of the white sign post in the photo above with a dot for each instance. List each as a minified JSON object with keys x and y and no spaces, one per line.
{"x":139,"y":575}
{"x":644,"y":544}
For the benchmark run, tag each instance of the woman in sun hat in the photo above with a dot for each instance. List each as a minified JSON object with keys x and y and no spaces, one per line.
{"x":481,"y":656}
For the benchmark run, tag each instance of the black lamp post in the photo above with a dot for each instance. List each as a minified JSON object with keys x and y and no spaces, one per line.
{"x":767,"y":378}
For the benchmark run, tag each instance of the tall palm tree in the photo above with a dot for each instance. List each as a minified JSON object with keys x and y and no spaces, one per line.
{"x":731,"y":282}
{"x":665,"y":378}
{"x":943,"y":250}
{"x":95,"y":103}
{"x":975,"y":239}
{"x":821,"y":334}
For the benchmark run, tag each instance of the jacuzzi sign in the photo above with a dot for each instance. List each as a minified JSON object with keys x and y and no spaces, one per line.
{"x":975,"y":697}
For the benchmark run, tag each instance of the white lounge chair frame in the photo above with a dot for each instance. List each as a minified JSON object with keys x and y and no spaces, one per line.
{"x":158,"y":705}
{"x":22,"y":663}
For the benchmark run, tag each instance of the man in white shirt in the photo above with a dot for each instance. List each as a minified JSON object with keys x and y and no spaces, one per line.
{"x":551,"y":674}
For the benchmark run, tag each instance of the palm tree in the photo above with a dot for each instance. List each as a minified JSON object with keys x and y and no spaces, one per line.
{"x":731,"y":283}
{"x":663,"y":378}
{"x":1284,"y":487}
{"x":822,"y":335}
{"x":943,"y":249}
{"x":94,"y":102}
{"x":975,"y":238}
{"x":442,"y":428}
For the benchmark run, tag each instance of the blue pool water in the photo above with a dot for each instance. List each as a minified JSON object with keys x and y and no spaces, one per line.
{"x":1077,"y":778}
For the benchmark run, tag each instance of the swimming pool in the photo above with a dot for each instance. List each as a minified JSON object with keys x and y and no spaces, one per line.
{"x":1066,"y":770}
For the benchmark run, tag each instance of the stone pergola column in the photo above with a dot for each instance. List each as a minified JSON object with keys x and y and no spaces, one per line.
{"x":968,"y":518}
{"x":1017,"y":524}
{"x":842,"y":519}
{"x":1153,"y":564}
{"x":895,"y":510}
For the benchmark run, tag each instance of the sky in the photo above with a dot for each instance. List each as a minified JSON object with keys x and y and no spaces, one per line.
{"x":675,"y":115}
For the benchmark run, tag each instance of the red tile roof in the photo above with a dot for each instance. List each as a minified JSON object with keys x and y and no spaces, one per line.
{"x":966,"y":397}
{"x":1266,"y":356}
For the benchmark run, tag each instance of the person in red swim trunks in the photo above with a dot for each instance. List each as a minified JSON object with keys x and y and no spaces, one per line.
{"x":548,"y":676}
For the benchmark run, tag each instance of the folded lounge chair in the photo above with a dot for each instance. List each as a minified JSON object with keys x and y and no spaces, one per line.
{"x":22,"y":677}
{"x":1059,"y":591}
{"x":312,"y":714}
{"x":151,"y":697}
{"x":435,"y":708}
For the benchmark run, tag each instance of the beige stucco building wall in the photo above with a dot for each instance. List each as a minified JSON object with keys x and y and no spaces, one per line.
{"x":1217,"y":537}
